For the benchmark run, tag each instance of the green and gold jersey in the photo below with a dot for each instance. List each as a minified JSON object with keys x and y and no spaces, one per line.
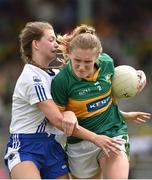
{"x":90,"y":99}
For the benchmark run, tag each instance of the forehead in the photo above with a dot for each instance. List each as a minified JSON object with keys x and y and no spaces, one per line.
{"x":84,"y":53}
{"x":49,"y":33}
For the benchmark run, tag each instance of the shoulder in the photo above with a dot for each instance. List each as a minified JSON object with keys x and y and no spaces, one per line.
{"x":105,"y":62}
{"x":63,"y":74}
{"x":106,"y":57}
{"x":62,"y":80}
{"x":26,"y":75}
{"x":32,"y":75}
{"x":103,"y":57}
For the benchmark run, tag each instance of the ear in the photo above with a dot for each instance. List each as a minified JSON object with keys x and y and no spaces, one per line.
{"x":35,"y":44}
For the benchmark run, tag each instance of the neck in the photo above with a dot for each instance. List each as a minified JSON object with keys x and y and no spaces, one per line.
{"x":40,"y":66}
{"x":56,"y":64}
{"x":94,"y":70}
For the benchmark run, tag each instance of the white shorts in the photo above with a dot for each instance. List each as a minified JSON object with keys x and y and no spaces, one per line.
{"x":83,"y":157}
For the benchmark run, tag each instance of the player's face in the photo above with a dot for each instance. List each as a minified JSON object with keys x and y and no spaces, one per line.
{"x":83,"y":61}
{"x":48,"y":45}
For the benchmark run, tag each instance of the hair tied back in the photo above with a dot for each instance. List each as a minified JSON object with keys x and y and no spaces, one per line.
{"x":89,"y":31}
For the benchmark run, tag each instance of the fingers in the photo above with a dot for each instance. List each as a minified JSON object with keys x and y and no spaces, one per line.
{"x":64,"y":126}
{"x":142,"y":80}
{"x":139,"y":121}
{"x":142,"y":117}
{"x":111,"y":145}
{"x":69,"y":122}
{"x":68,"y":126}
{"x":109,"y":149}
{"x":115,"y":145}
{"x":106,"y":151}
{"x":146,"y":115}
{"x":138,"y":117}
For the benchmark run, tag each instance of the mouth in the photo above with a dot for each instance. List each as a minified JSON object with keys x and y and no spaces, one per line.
{"x":54,"y":51}
{"x":81,"y":72}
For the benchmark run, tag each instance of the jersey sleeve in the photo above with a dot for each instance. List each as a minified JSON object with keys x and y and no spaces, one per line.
{"x":39,"y":91}
{"x":33,"y":89}
{"x":59,"y":89}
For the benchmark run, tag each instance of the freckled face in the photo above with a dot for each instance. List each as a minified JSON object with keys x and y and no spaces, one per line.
{"x":83,"y":61}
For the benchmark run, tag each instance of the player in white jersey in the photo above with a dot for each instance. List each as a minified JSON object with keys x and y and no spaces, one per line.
{"x":32,"y":151}
{"x":33,"y":86}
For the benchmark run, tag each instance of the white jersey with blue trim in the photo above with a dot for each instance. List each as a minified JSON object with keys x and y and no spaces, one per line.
{"x":32,"y":87}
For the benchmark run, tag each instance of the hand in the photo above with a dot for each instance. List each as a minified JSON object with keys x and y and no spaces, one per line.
{"x":69,"y":122}
{"x":108,"y":144}
{"x":142,"y":80}
{"x":136,"y":117}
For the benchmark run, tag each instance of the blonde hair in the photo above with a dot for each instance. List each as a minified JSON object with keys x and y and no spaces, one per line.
{"x":31,"y":31}
{"x":83,"y":37}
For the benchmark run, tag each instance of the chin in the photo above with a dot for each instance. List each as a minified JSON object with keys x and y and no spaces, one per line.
{"x":53,"y":56}
{"x":82,"y":76}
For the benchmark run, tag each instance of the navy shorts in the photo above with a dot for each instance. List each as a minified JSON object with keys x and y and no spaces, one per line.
{"x":42,"y":149}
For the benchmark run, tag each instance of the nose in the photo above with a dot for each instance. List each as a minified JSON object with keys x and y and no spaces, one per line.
{"x":56,"y":45}
{"x":81,"y":67}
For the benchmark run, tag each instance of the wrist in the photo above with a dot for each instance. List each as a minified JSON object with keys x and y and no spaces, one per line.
{"x":93,"y":138}
{"x":83,"y":133}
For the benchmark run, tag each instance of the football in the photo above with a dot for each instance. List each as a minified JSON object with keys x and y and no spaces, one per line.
{"x":124,"y":82}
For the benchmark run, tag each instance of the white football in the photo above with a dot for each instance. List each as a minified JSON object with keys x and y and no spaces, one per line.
{"x":124,"y":82}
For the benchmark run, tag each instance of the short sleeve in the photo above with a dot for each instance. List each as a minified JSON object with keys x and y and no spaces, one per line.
{"x":59,"y":90}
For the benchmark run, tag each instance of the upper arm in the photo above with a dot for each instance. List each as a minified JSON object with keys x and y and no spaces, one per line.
{"x":51,"y":111}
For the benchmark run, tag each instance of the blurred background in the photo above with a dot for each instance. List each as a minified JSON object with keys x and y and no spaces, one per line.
{"x":125,"y":29}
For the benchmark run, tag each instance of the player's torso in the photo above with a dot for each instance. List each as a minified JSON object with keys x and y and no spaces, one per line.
{"x":32,"y":87}
{"x":93,"y":104}
{"x":90,"y":98}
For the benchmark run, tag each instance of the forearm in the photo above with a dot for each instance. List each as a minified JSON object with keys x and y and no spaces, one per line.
{"x":83,"y":133}
{"x":53,"y":114}
{"x":125,"y":114}
{"x":65,"y":121}
{"x":128,"y":115}
{"x":136,"y":117}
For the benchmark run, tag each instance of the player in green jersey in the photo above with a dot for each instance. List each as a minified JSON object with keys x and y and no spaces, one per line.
{"x":84,"y":87}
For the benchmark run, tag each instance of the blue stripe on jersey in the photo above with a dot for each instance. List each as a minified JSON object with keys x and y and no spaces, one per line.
{"x":37,"y":93}
{"x":40,"y":92}
{"x":41,"y":127}
{"x":44,"y":92}
{"x":51,"y":73}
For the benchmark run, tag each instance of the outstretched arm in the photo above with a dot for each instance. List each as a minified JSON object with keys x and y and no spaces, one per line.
{"x":136,"y":117}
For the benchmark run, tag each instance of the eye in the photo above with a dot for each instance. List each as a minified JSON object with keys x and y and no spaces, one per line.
{"x":52,"y":39}
{"x":88,"y":62}
{"x":77,"y":60}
